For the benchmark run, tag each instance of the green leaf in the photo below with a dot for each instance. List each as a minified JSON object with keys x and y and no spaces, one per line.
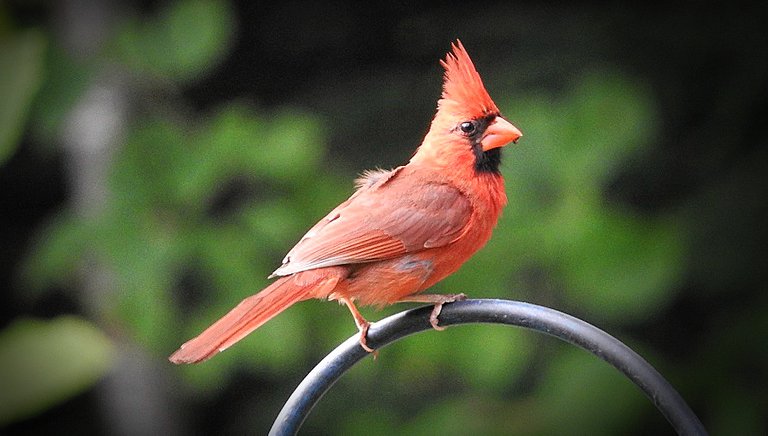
{"x":21,"y":69}
{"x":181,"y":43}
{"x":621,"y":267}
{"x":607,"y":118}
{"x":56,"y":255}
{"x":66,"y":80}
{"x":143,"y":173}
{"x":43,"y":363}
{"x":221,"y":149}
{"x":292,"y":146}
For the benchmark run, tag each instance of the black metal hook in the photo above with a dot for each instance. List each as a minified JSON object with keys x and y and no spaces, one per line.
{"x":531,"y":316}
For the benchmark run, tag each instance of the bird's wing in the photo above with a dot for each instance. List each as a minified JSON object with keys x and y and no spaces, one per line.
{"x":398,"y":213}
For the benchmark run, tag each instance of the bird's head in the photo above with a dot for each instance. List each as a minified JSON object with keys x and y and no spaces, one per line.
{"x":468,"y":130}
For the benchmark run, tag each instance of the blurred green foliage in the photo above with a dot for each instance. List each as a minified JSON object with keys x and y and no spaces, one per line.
{"x":21,"y":64}
{"x":179,"y":43}
{"x":160,"y":220}
{"x":45,"y":362}
{"x":201,"y":208}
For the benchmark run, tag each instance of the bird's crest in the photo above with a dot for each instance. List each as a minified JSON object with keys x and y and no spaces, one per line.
{"x":463,"y":90}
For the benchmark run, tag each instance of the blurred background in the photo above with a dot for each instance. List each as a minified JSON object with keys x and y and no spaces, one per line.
{"x":158,"y":158}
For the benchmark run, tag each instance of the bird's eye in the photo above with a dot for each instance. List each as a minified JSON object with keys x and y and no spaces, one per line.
{"x":467,"y":127}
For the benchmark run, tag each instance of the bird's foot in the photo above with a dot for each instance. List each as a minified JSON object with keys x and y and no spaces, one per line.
{"x":433,"y":321}
{"x":362,"y":325}
{"x":364,"y":339}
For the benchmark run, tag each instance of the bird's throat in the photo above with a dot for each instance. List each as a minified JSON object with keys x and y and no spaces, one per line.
{"x":487,"y":161}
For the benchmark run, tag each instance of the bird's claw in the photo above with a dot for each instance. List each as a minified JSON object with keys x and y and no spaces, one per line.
{"x":433,"y":321}
{"x":433,"y":317}
{"x":364,"y":340}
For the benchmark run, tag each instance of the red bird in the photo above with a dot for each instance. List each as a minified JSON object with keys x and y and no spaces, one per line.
{"x":402,"y":231}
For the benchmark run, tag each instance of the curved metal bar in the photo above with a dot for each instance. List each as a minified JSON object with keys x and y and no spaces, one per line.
{"x":530,"y":316}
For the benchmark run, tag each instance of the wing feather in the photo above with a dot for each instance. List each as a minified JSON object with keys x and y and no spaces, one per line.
{"x":397,"y":214}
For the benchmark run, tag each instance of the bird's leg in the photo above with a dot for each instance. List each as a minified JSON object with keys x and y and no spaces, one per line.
{"x":438,"y":300}
{"x":362,"y":324}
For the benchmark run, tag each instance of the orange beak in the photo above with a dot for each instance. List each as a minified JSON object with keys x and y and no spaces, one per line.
{"x":500,"y":133}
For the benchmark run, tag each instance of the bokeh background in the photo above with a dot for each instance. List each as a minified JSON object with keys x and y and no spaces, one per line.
{"x":158,"y":158}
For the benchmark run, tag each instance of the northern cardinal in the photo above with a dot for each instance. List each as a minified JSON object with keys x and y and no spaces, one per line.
{"x":402,"y":230}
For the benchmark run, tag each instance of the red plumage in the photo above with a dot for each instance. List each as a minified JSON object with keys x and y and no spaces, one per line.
{"x":402,"y":230}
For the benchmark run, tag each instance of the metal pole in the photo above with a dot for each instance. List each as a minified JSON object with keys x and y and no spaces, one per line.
{"x":530,"y":316}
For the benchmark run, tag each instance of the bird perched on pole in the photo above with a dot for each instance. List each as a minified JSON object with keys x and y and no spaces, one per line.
{"x":402,"y":231}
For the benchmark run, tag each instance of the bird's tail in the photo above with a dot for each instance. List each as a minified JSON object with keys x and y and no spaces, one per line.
{"x":244,"y":318}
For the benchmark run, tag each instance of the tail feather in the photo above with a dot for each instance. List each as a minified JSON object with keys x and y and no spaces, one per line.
{"x":247,"y":316}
